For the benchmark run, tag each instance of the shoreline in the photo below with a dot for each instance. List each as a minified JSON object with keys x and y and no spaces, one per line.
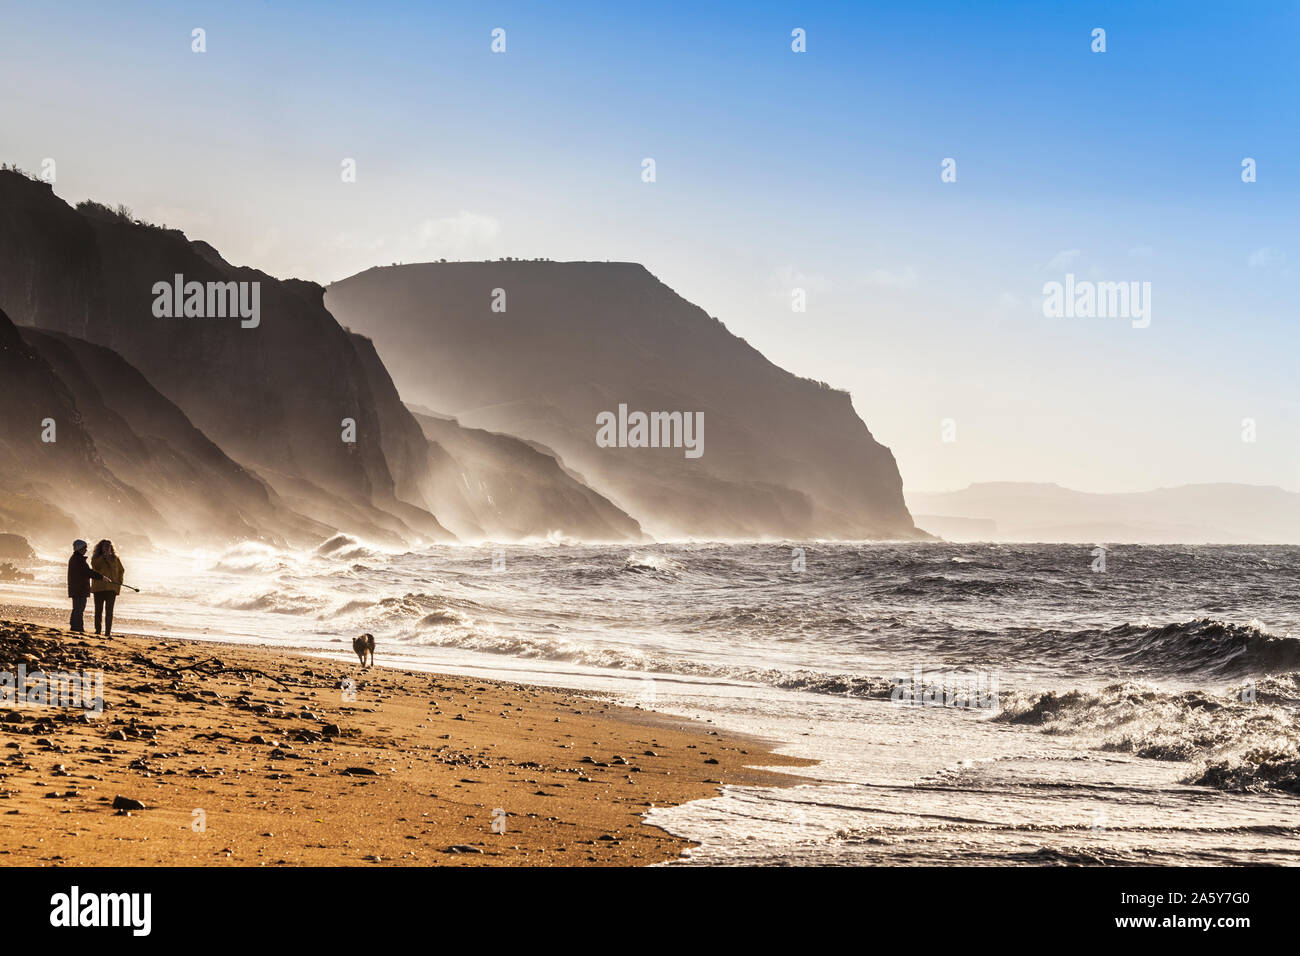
{"x":251,"y":756}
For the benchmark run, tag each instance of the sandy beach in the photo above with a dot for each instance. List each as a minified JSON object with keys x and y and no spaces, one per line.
{"x":250,"y":757}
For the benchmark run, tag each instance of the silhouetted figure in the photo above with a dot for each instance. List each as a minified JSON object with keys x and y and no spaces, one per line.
{"x":104,"y":560}
{"x":80,"y":574}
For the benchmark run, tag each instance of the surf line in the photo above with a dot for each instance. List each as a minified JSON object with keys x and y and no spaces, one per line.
{"x":683,"y":430}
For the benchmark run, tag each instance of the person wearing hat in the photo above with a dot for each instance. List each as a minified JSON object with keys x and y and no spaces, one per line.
{"x":80,"y":574}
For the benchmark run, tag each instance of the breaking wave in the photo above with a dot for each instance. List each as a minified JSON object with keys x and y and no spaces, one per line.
{"x":343,"y":547}
{"x":248,"y":557}
{"x":277,"y":602}
{"x":649,"y":664}
{"x":1244,"y":739}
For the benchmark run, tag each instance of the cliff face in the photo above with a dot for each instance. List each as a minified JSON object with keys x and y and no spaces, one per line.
{"x":147,"y":442}
{"x":782,"y":456}
{"x":43,"y":483}
{"x":508,"y":489}
{"x":481,"y":485}
{"x":275,"y":397}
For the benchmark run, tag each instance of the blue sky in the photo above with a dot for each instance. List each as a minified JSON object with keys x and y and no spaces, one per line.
{"x":775,"y":170}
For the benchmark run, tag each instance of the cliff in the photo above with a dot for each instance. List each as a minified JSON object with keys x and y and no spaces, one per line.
{"x":149,"y":444}
{"x":274,"y":394}
{"x":49,"y":464}
{"x":782,"y":456}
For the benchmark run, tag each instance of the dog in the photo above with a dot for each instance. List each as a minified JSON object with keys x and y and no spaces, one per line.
{"x":363,"y":645}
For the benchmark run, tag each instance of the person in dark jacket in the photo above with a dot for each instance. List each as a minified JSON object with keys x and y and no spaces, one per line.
{"x":80,"y":575}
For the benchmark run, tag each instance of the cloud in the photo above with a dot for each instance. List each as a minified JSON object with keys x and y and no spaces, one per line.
{"x":347,"y":240}
{"x":1141,"y":252}
{"x":465,"y":232}
{"x":466,"y":235}
{"x":788,"y":277}
{"x":1062,"y":260}
{"x":1265,"y":258}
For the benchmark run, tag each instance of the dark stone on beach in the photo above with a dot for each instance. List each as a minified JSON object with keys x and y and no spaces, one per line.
{"x":14,"y":717}
{"x":650,"y":753}
{"x":711,"y":760}
{"x":463,"y":848}
{"x":618,"y":760}
{"x":359,"y":772}
{"x":118,"y":734}
{"x":331,"y":730}
{"x":126,"y":803}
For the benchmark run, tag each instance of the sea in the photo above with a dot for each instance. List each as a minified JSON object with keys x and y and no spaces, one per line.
{"x":976,"y":704}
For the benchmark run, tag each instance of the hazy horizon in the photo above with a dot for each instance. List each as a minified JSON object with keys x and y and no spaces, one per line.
{"x":775,"y":170}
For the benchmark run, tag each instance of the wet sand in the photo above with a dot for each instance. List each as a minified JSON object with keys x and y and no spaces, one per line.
{"x":250,"y":757}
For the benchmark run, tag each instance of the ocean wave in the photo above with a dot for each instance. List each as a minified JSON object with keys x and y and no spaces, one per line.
{"x":647,"y":664}
{"x":247,"y":557}
{"x":398,"y":614}
{"x":645,"y":566}
{"x":1244,"y":739}
{"x":657,"y":564}
{"x":343,"y":547}
{"x":941,"y":587}
{"x":1272,"y":766}
{"x":1206,"y":646}
{"x":276,"y":602}
{"x":793,"y":616}
{"x":351,"y":607}
{"x":445,"y":616}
